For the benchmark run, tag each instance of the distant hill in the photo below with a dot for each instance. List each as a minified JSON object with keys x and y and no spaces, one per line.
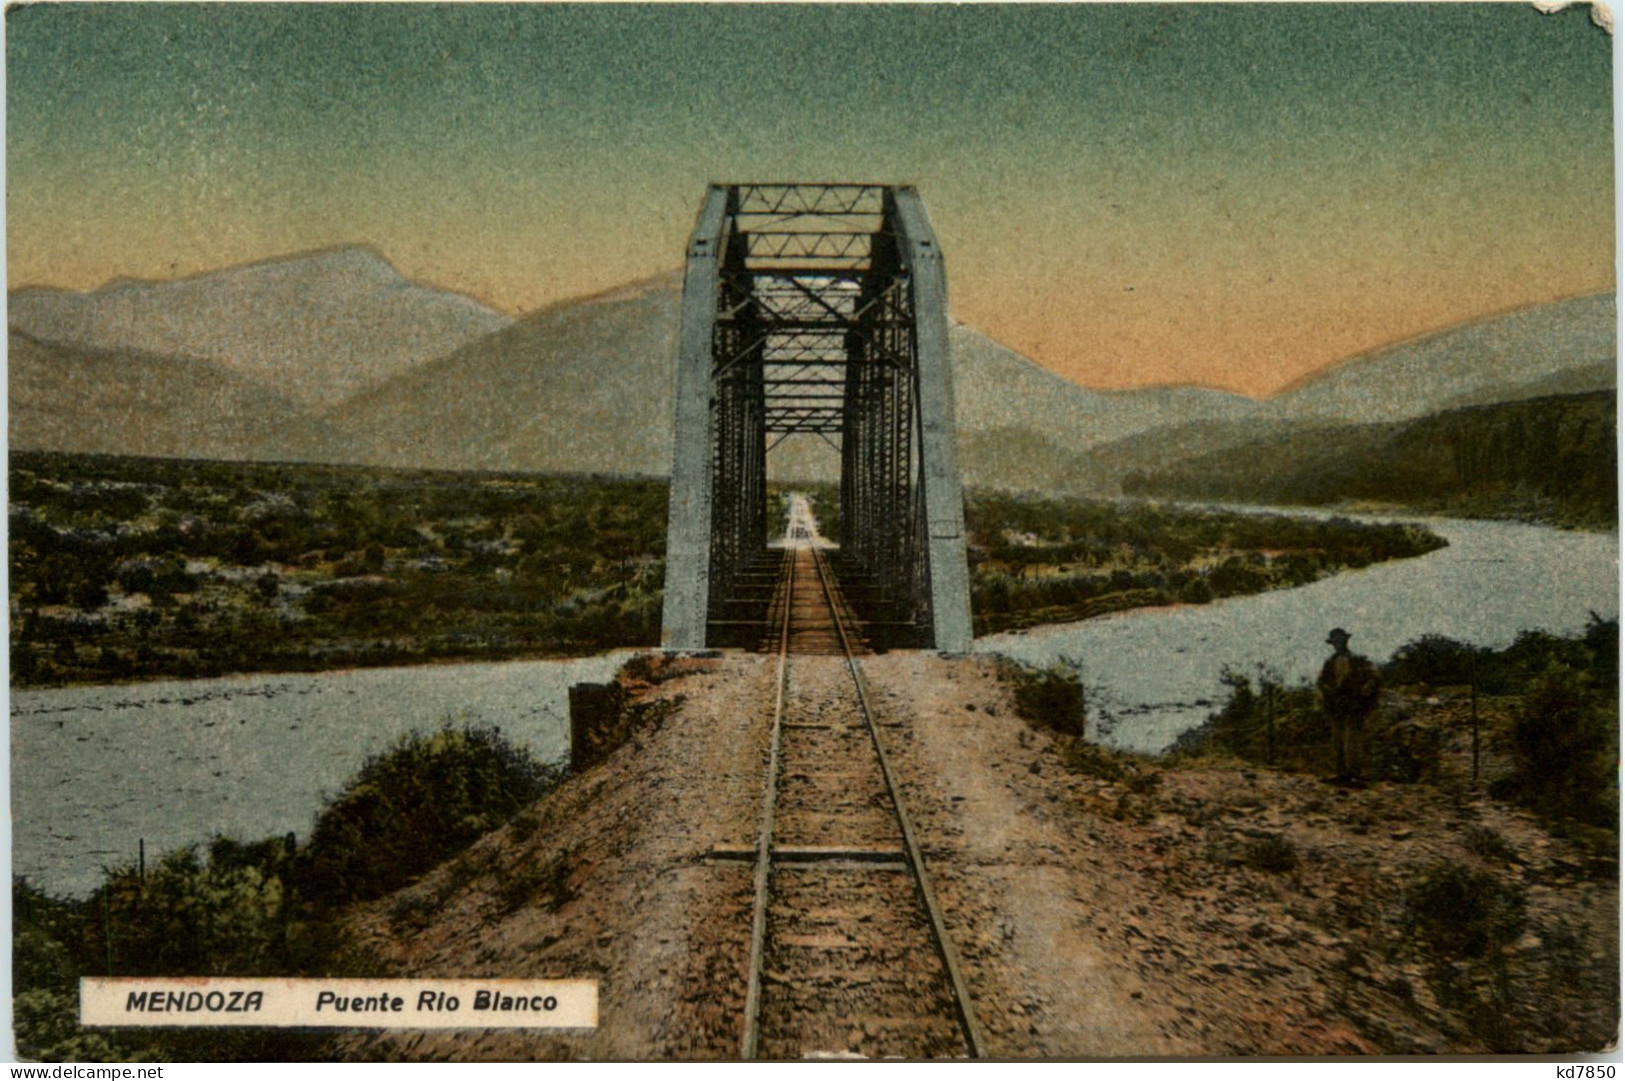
{"x":335,"y":357}
{"x":314,"y":328}
{"x":1101,"y":469}
{"x":1551,"y":458}
{"x":587,"y":385}
{"x":998,"y":389}
{"x":122,"y":402}
{"x":580,"y":386}
{"x":1496,"y":359}
{"x":1562,"y":348}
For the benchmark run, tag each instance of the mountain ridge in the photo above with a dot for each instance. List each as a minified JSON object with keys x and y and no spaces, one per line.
{"x":314,"y":327}
{"x":585,"y":384}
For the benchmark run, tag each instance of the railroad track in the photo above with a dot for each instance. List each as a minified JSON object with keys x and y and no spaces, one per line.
{"x":848,"y":952}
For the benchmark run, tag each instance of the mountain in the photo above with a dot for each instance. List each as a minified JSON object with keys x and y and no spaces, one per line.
{"x":1551,"y":458}
{"x":1496,"y":359}
{"x":1563,"y":348}
{"x":1100,"y":469}
{"x":997,"y":389}
{"x":314,"y":328}
{"x":587,"y":385}
{"x":335,"y":357}
{"x":123,"y":402}
{"x":583,"y":386}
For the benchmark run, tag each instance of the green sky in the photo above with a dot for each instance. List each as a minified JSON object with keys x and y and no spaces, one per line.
{"x":1230,"y":195}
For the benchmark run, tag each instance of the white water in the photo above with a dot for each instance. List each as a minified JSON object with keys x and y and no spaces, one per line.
{"x":94,"y":770}
{"x":1155,"y":673}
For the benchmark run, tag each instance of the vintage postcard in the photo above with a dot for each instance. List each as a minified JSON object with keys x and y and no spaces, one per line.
{"x":812,"y":531}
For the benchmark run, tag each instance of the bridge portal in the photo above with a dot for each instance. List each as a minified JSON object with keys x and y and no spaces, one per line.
{"x":816,"y":309}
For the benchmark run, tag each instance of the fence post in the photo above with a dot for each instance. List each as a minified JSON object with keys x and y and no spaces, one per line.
{"x":1269,"y":713}
{"x":107,"y":928}
{"x":1473,"y":695}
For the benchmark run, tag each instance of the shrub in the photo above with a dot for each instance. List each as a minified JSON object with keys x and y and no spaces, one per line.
{"x":411,"y":808}
{"x":1196,"y":591}
{"x":1269,"y":723}
{"x":1487,"y":844}
{"x":46,"y":1023}
{"x":1436,"y":660}
{"x":1091,"y":760}
{"x":1563,"y":741}
{"x":1457,"y":913}
{"x":1051,"y":697}
{"x":1406,"y":752}
{"x":1274,"y":854}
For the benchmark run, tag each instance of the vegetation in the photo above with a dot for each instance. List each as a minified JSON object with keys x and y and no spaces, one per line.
{"x":1566,"y":748}
{"x":1546,"y":459}
{"x":127,"y":568}
{"x":411,"y":807}
{"x":1554,"y":703}
{"x":269,"y":908}
{"x":1051,"y":697}
{"x":1052,"y":560}
{"x":1466,"y":922}
{"x":1434,"y":916}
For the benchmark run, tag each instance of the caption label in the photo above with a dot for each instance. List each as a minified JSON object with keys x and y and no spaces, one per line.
{"x":322,"y":1003}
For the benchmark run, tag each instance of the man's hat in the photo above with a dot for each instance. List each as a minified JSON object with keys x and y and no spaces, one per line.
{"x":1338,"y":637}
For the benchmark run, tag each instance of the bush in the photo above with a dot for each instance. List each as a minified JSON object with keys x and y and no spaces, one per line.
{"x":1436,"y":660}
{"x":1457,"y":913}
{"x":1274,"y":854}
{"x":189,"y":917}
{"x":1269,"y":723}
{"x":46,"y":1023}
{"x":1489,"y":845}
{"x":1051,"y":697}
{"x":1406,"y":752}
{"x":1563,"y":741}
{"x":1091,"y":760}
{"x":413,"y":807}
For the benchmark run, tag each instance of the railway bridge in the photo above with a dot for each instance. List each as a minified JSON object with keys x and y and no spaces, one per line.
{"x":816,"y":309}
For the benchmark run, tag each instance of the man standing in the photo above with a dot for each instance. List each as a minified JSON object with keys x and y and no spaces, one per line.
{"x":1349,"y":688}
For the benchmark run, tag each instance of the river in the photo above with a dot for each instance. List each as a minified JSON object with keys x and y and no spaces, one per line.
{"x":94,"y":769}
{"x":1152,"y":674}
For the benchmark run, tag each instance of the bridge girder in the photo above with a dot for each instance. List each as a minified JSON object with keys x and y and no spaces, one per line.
{"x":817,"y":308}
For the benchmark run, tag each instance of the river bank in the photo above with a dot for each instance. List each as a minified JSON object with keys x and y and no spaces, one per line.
{"x":97,"y":770}
{"x":1155,"y":673}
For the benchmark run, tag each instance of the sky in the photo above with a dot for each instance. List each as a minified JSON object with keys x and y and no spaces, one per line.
{"x":1222,"y":195}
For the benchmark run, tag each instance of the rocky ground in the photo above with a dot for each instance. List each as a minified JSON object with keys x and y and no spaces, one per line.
{"x":1102,"y":905}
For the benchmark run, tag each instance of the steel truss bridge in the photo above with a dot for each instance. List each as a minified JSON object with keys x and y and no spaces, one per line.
{"x":816,"y":309}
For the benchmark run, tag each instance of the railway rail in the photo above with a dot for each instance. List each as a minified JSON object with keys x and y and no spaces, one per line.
{"x":848,"y":951}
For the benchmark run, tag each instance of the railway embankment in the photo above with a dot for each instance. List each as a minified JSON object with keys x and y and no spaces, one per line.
{"x":1100,"y":904}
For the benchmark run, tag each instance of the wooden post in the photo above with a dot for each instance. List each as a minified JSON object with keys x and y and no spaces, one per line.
{"x":1473,"y":693}
{"x":1269,"y":714}
{"x":107,"y":930}
{"x":141,"y":857}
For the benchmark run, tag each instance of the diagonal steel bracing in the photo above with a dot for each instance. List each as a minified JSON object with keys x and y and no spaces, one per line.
{"x":821,"y":309}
